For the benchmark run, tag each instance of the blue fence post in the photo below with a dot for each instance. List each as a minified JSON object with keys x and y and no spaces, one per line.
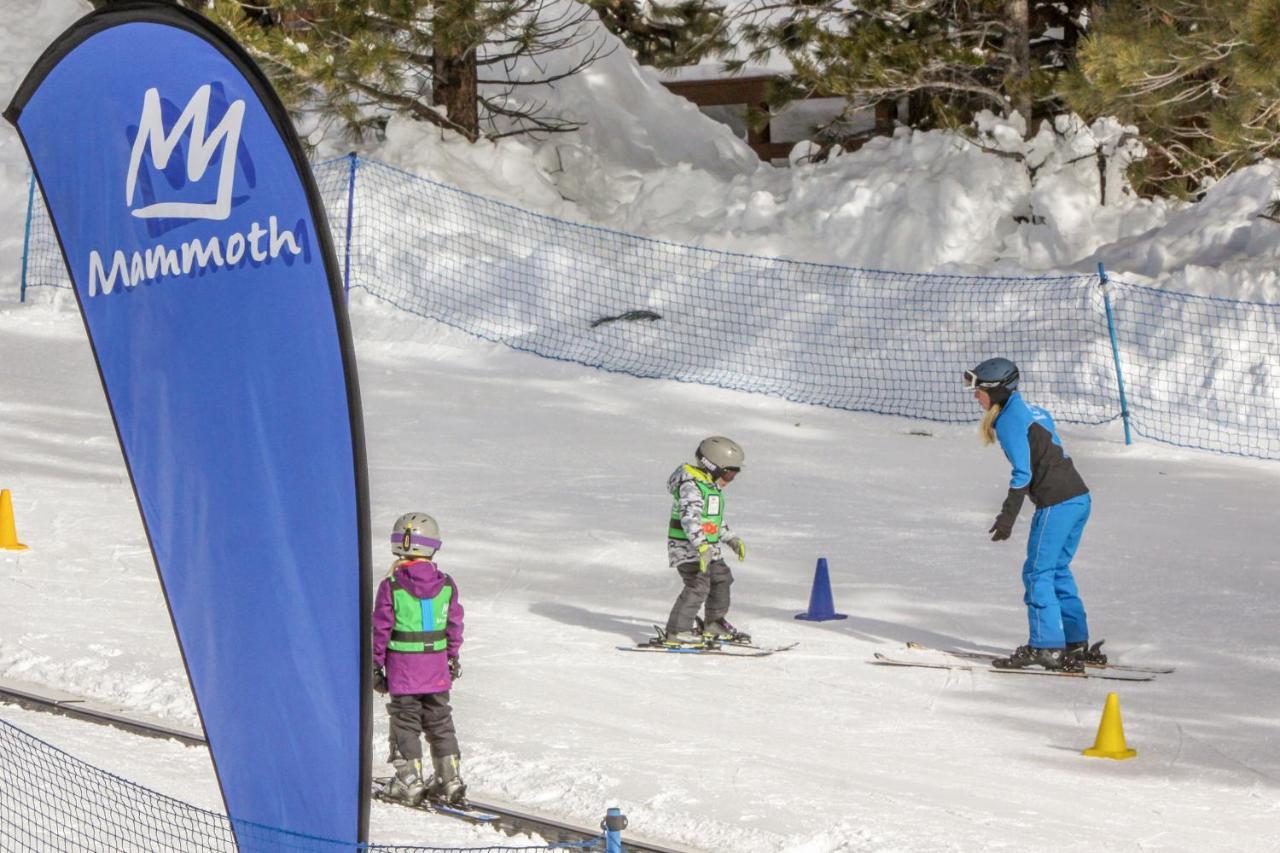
{"x":351,"y":203}
{"x":1103,"y":281}
{"x":26,"y":238}
{"x":614,"y":822}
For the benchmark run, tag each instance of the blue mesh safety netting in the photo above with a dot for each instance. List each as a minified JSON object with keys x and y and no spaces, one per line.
{"x":1199,"y":372}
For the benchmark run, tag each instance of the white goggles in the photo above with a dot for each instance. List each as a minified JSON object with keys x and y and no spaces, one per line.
{"x":973,"y":383}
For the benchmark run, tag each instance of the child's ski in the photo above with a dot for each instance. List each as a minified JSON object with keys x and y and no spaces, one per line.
{"x":700,"y":650}
{"x":974,"y":655}
{"x":731,"y":648}
{"x":783,"y":648}
{"x":885,"y":660}
{"x":458,"y":810}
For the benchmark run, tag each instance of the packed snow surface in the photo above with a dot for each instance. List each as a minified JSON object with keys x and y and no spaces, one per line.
{"x":547,"y":479}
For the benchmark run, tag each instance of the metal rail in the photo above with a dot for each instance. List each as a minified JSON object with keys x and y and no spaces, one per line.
{"x":512,"y":821}
{"x":515,"y":822}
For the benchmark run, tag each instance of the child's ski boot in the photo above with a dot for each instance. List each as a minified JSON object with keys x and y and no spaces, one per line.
{"x":721,"y":631}
{"x":683,"y":638}
{"x":407,"y":785}
{"x":446,"y":785}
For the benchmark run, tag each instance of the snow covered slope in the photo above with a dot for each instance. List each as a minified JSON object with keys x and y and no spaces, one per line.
{"x":547,"y":479}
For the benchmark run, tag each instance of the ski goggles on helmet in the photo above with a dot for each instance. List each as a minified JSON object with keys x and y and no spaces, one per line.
{"x":727,"y":474}
{"x":973,"y":383}
{"x":408,"y":540}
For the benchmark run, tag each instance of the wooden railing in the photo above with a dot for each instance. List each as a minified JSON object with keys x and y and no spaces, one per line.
{"x":750,"y":91}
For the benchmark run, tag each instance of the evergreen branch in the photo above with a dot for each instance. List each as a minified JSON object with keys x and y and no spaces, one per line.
{"x":412,"y":106}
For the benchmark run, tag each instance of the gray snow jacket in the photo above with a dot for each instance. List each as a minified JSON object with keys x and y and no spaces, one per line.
{"x":683,"y":487}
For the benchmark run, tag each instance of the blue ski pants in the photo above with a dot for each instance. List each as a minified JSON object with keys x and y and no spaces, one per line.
{"x":1054,"y":610}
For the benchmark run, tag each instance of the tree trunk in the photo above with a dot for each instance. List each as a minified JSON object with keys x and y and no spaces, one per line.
{"x":453,"y":72}
{"x":886,"y":113}
{"x":1019,"y":50}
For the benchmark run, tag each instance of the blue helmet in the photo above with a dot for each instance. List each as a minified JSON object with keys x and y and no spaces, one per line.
{"x":991,"y":375}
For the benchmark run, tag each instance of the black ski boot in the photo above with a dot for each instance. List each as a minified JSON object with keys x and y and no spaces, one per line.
{"x":1086,"y":654}
{"x":447,"y":785}
{"x":407,"y":785}
{"x":1024,"y":656}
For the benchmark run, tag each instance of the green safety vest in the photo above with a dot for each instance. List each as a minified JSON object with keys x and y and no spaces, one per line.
{"x":420,"y":622}
{"x":712,"y":508}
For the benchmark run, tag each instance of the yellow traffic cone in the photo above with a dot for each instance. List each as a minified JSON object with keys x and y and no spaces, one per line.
{"x":1110,"y":741}
{"x":8,"y":533}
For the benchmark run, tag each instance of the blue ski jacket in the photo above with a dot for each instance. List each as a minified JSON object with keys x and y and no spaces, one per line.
{"x":1042,"y":468}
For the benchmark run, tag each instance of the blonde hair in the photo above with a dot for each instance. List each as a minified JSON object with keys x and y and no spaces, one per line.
{"x":987,"y":429}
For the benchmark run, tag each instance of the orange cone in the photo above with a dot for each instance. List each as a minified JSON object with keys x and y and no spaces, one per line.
{"x":1110,"y":741}
{"x":8,"y":533}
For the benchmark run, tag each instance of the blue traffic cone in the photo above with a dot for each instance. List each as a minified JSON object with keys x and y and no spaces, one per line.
{"x":821,"y":607}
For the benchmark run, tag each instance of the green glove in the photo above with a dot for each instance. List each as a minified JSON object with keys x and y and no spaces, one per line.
{"x":740,"y":547}
{"x":704,"y":557}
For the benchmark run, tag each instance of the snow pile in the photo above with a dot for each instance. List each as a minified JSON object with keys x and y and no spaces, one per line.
{"x":916,"y":201}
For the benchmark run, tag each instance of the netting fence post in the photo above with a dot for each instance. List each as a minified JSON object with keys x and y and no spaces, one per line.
{"x":614,"y":822}
{"x":351,"y":203}
{"x":1103,"y":281}
{"x":26,"y":238}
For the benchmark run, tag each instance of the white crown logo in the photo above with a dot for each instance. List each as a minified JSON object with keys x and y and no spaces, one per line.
{"x":200,"y":153}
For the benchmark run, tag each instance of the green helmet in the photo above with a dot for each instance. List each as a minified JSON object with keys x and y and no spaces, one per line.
{"x":718,"y":454}
{"x":415,"y":534}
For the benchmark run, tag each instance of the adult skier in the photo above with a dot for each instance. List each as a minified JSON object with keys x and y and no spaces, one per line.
{"x":417,"y":632}
{"x":695,"y":537}
{"x":1043,"y":471}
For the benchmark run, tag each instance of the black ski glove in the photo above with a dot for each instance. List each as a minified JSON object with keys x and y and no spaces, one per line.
{"x":1003,"y":528}
{"x":455,"y":668}
{"x":379,"y":680}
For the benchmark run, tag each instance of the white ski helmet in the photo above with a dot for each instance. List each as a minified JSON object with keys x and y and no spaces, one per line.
{"x":415,"y":534}
{"x":718,"y":454}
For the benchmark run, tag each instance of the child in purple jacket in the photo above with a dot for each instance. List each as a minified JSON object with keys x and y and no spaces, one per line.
{"x":417,"y":630}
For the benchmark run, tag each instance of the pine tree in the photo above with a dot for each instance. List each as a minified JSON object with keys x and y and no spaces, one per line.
{"x":436,"y":62}
{"x":667,"y":35}
{"x":1200,"y":78}
{"x":950,"y":58}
